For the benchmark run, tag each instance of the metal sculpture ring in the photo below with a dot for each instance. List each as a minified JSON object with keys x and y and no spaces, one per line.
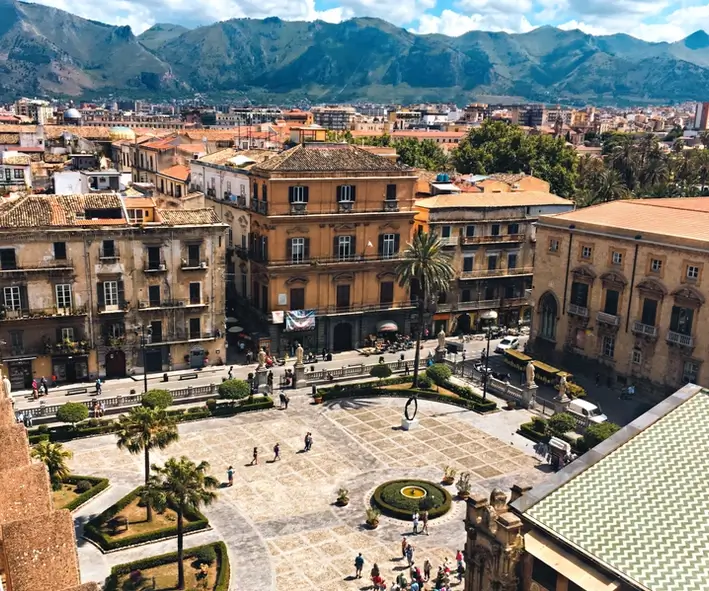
{"x":406,"y":408}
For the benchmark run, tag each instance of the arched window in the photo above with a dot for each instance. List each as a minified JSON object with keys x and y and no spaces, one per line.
{"x":548,"y":309}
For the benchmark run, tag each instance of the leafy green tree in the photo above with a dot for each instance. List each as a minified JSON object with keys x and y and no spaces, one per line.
{"x":234,"y":389}
{"x":381,"y":371}
{"x":183,"y":486}
{"x":439,"y":373}
{"x":425,"y":154}
{"x":157,"y":399}
{"x":425,"y":270}
{"x":597,"y":433}
{"x":72,"y":412}
{"x":142,"y":430}
{"x":561,"y":423}
{"x":55,"y":457}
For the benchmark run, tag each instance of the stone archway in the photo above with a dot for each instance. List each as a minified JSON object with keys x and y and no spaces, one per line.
{"x":548,"y":314}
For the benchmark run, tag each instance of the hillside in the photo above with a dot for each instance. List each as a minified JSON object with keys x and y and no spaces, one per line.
{"x":45,"y":50}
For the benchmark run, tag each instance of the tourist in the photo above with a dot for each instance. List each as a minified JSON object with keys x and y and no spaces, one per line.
{"x":424,"y":522}
{"x":415,"y":521}
{"x":410,"y":554}
{"x":406,"y":368}
{"x":282,"y":398}
{"x":286,"y":400}
{"x":404,"y":543}
{"x":28,"y":420}
{"x":43,"y":385}
{"x":230,"y":475}
{"x":230,"y":375}
{"x":20,"y":417}
{"x":101,"y":408}
{"x":416,"y":574}
{"x":98,"y":386}
{"x":324,"y":354}
{"x":359,"y":565}
{"x":426,"y":569}
{"x":401,"y":580}
{"x":461,"y":571}
{"x":276,"y":452}
{"x":35,"y":389}
{"x":459,"y":557}
{"x":308,"y":441}
{"x":254,"y":461}
{"x":414,"y":586}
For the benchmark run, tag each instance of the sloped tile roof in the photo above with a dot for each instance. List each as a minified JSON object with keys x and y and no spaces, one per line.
{"x":188,"y":217}
{"x":178,"y":172}
{"x":316,"y":157}
{"x":41,"y":211}
{"x":9,"y":138}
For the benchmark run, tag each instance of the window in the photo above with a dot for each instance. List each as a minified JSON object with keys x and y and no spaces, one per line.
{"x":67,"y":334}
{"x":391,"y":192}
{"x":513,"y":228}
{"x":109,"y":249}
{"x":63,"y":292}
{"x":264,"y":193}
{"x":690,"y":372}
{"x":511,"y":261}
{"x":193,"y":255}
{"x":465,"y":295}
{"x":692,"y":272}
{"x":612,"y":298}
{"x":228,"y":187}
{"x":586,"y":252}
{"x":110,"y":293}
{"x":195,"y":293}
{"x":298,"y":252}
{"x":297,"y":298}
{"x":495,"y":230}
{"x":155,"y":332}
{"x":468,"y":263}
{"x":154,"y":296}
{"x":153,"y":257}
{"x":60,"y":251}
{"x":389,"y":245}
{"x":16,"y":341}
{"x":649,"y":313}
{"x":343,"y":296}
{"x":553,"y":245}
{"x":469,"y":231}
{"x":344,"y":247}
{"x":345,"y":193}
{"x":617,"y":258}
{"x":655,"y":265}
{"x":579,"y":294}
{"x":548,"y":317}
{"x":386,"y":292}
{"x":446,"y":232}
{"x":608,"y":346}
{"x":195,"y":328}
{"x":12,"y":298}
{"x":135,"y":216}
{"x":7,"y":258}
{"x":492,"y":262}
{"x":681,"y":320}
{"x":298,"y":194}
{"x":19,"y":174}
{"x":637,"y":357}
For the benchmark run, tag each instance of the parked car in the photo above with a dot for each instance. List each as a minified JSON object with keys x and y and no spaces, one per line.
{"x":587,"y":410}
{"x":507,"y":343}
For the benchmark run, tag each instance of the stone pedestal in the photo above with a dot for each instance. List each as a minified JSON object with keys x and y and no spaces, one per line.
{"x":408,"y":425}
{"x":299,"y":376}
{"x":529,"y":395}
{"x":261,"y":380}
{"x":440,"y":356}
{"x":561,"y":404}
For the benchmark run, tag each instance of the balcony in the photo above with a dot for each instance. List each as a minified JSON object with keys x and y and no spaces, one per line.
{"x":496,"y":273}
{"x":345,"y":207}
{"x":211,"y":192}
{"x":508,"y":238}
{"x":609,"y":319}
{"x":335,"y":260}
{"x":677,"y":338}
{"x":646,"y":330}
{"x":449,"y":241}
{"x":120,"y":308}
{"x":167,"y":304}
{"x":391,"y":205}
{"x":298,"y":208}
{"x":193,"y":265}
{"x":577,"y":310}
{"x":41,"y":313}
{"x":360,"y":308}
{"x":241,"y":201}
{"x":109,"y":254}
{"x":155,"y":266}
{"x":183,"y":336}
{"x":53,"y":266}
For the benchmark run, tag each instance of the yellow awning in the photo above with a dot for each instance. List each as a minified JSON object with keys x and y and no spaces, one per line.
{"x":567,"y":565}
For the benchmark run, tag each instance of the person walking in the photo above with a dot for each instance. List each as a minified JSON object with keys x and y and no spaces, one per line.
{"x":415,"y":521}
{"x":286,"y":400}
{"x":410,"y":554}
{"x":276,"y":452}
{"x":254,"y":460}
{"x":230,"y":375}
{"x":359,"y":565}
{"x":598,"y":379}
{"x":98,"y":386}
{"x":282,"y":398}
{"x":35,"y":389}
{"x":404,"y":543}
{"x":424,"y":522}
{"x":230,"y":475}
{"x":426,"y":569}
{"x":43,"y":385}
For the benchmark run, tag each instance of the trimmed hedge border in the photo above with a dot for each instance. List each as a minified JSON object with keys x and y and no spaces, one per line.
{"x":526,"y":430}
{"x":99,"y":485}
{"x":92,"y":530}
{"x":405,"y":513}
{"x":223,"y":576}
{"x":65,"y":433}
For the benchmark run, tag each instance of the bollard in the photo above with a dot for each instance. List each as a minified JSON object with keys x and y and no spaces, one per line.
{"x":165,"y":377}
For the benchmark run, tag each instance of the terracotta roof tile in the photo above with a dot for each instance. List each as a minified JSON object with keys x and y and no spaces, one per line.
{"x":316,"y":157}
{"x":9,"y":138}
{"x":178,"y":172}
{"x":41,"y":211}
{"x":511,"y":199}
{"x":188,"y":217}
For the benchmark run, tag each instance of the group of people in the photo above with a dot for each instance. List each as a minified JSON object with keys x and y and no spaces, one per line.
{"x":98,"y":408}
{"x":421,"y":520}
{"x":276,"y":455}
{"x":40,"y":388}
{"x":25,"y":419}
{"x":417,"y":579}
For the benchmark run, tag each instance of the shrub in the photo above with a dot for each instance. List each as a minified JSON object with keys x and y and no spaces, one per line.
{"x":597,"y":433}
{"x":72,"y":412}
{"x":575,"y":391}
{"x":561,"y":423}
{"x":439,"y":373}
{"x":157,"y":399}
{"x":96,"y":485}
{"x":211,"y":404}
{"x":539,"y":425}
{"x":205,"y":555}
{"x":380,"y":371}
{"x":83,"y":485}
{"x":93,"y":423}
{"x":424,"y":382}
{"x":42,"y":429}
{"x":234,"y":390}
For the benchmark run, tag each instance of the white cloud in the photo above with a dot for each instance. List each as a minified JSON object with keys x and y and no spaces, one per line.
{"x":455,"y":24}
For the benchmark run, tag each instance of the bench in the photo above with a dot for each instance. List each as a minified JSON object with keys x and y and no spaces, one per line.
{"x":74,"y":391}
{"x":188,"y":376}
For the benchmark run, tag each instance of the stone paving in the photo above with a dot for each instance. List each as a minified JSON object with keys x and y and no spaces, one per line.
{"x":279,"y":520}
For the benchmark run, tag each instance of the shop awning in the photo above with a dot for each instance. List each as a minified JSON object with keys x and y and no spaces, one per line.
{"x":387,"y":326}
{"x":13,"y":359}
{"x":567,"y":565}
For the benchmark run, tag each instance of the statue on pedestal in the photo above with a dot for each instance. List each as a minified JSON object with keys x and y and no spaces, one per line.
{"x":442,"y":339}
{"x":562,"y":389}
{"x":261,"y":359}
{"x":529,"y":371}
{"x":299,"y":355}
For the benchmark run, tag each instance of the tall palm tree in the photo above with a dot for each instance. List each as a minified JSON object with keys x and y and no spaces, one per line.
{"x":183,"y":486}
{"x":142,"y":430}
{"x":624,"y":159}
{"x":426,"y":266}
{"x":55,"y":457}
{"x":611,"y":187}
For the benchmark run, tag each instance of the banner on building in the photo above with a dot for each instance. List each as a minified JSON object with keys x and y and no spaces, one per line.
{"x":298,"y":320}
{"x":277,"y":316}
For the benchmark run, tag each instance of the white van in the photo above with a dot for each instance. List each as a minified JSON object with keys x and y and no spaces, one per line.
{"x":587,"y":410}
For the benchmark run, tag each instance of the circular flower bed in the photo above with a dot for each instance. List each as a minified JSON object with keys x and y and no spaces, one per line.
{"x":390,"y":499}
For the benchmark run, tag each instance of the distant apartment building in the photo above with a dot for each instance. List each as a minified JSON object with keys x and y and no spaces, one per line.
{"x":447,"y":140}
{"x":236,"y":116}
{"x":78,"y":182}
{"x":37,"y":111}
{"x":83,"y":278}
{"x":475,"y":113}
{"x":701,"y":117}
{"x":334,"y":117}
{"x":15,"y":172}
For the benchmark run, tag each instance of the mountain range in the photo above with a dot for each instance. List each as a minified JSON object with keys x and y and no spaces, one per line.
{"x":46,"y":51}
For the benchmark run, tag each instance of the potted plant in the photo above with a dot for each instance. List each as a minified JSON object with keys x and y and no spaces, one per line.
{"x":373,"y":518}
{"x":317,"y":397}
{"x":343,"y":497}
{"x":449,"y":473}
{"x":463,"y":485}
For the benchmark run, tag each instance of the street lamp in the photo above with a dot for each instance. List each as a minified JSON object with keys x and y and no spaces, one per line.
{"x":491,"y":317}
{"x":146,"y":334}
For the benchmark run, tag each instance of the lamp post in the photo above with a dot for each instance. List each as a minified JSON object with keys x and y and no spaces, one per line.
{"x":146,"y":334}
{"x":490,"y":316}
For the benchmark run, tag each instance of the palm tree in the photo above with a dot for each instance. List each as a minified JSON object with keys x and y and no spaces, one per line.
{"x":183,"y":486}
{"x":426,"y":266}
{"x":611,"y":187}
{"x":142,"y":430}
{"x":55,"y":457}
{"x":624,"y":160}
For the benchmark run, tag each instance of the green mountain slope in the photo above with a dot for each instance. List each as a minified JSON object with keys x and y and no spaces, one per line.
{"x":44,"y":50}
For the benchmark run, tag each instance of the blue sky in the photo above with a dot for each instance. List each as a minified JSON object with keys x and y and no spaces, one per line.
{"x":652,"y":20}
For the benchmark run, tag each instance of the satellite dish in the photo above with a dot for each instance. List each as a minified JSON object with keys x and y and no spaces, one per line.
{"x":235,"y":329}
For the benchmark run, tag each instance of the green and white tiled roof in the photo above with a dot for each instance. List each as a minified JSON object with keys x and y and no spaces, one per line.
{"x":643,"y":509}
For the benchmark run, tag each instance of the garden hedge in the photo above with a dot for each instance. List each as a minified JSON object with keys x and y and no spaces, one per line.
{"x":63,"y":433}
{"x":99,"y":484}
{"x":223,"y":576}
{"x":92,"y":530}
{"x":391,"y":502}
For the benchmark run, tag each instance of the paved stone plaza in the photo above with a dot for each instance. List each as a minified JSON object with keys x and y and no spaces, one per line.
{"x":279,"y":519}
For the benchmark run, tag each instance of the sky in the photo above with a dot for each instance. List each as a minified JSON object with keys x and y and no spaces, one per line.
{"x":652,"y":20}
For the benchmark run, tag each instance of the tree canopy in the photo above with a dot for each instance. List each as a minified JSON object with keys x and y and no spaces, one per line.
{"x":55,"y":457}
{"x":72,"y":412}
